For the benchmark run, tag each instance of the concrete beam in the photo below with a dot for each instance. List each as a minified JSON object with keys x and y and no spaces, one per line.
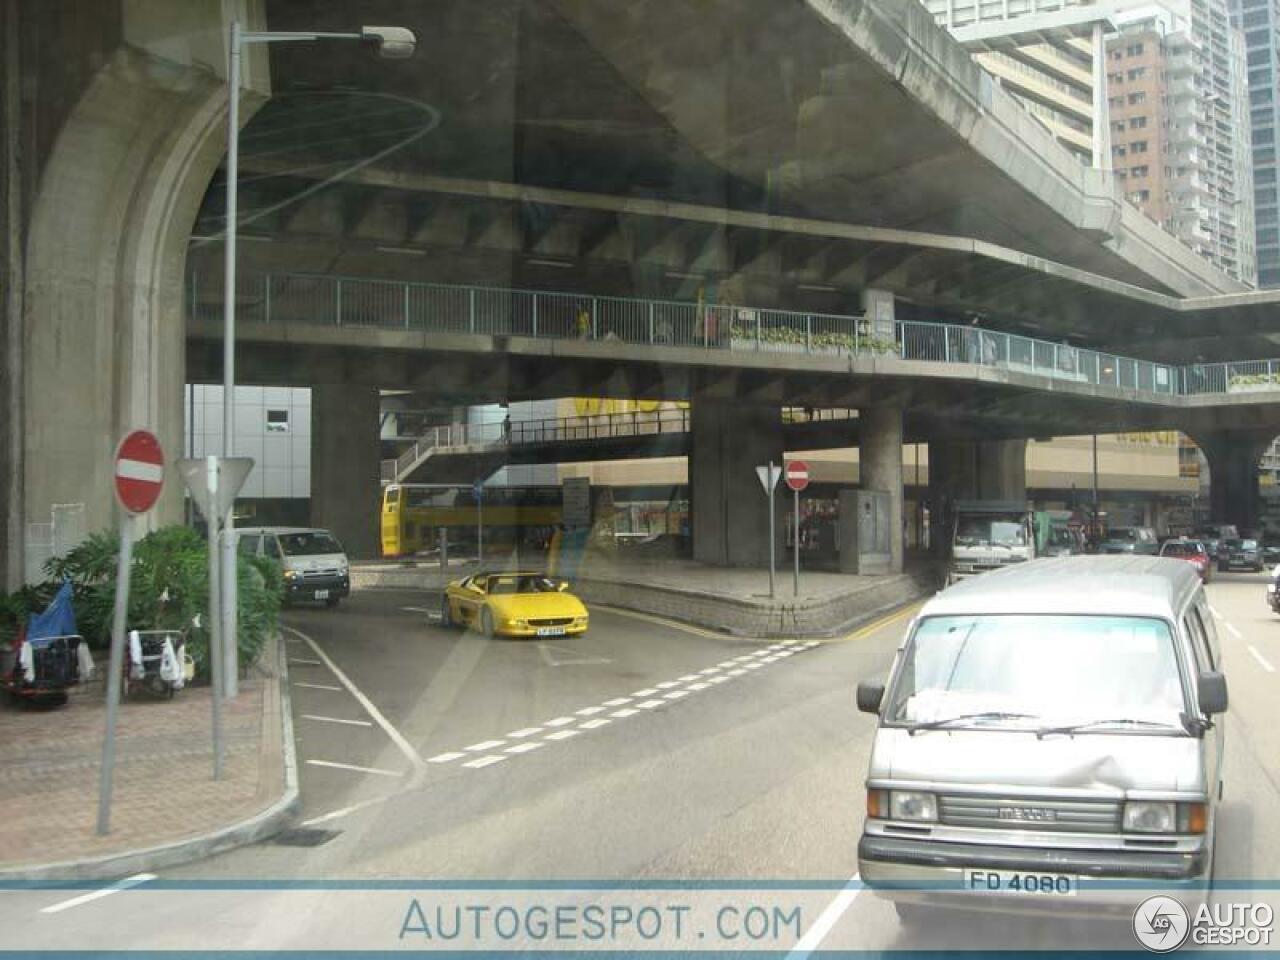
{"x":880,"y":460}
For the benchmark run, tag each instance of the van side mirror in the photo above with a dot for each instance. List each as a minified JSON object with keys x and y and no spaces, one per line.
{"x":1211,"y":692}
{"x":870,"y":694}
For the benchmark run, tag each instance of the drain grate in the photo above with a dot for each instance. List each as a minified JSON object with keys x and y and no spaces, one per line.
{"x":304,"y":837}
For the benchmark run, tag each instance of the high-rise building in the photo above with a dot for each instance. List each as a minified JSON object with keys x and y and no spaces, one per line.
{"x":1047,"y":53}
{"x":1259,"y":21}
{"x":1176,"y":87}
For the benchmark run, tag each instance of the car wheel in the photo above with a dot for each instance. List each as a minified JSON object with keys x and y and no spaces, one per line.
{"x":486,"y":622}
{"x":446,"y":614}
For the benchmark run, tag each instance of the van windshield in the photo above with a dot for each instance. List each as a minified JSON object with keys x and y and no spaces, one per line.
{"x":984,"y":531}
{"x":309,"y":544}
{"x":1039,"y":670}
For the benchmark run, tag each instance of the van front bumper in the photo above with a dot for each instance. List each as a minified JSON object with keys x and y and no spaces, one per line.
{"x":927,"y":871}
{"x":307,"y":588}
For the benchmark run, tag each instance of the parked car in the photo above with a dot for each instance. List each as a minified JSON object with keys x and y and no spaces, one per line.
{"x":1273,"y":590}
{"x":1213,"y":535}
{"x":315,"y":565}
{"x":1270,"y":551}
{"x":1141,"y":540}
{"x":1245,"y":554}
{"x":514,"y":605}
{"x":1193,"y":551}
{"x":1045,"y":723}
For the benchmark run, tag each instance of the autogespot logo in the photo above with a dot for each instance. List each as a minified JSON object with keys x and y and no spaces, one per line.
{"x":1161,"y":924}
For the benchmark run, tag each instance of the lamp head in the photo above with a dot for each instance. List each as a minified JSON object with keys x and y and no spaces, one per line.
{"x":394,"y":43}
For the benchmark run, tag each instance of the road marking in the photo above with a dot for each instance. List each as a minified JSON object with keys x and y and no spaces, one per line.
{"x":650,"y":704}
{"x":404,"y":746}
{"x":595,"y":724}
{"x":646,"y":692}
{"x":524,"y":732}
{"x":445,"y":757}
{"x":128,"y":882}
{"x":710,"y":670}
{"x":575,"y":657}
{"x":1232,"y":630}
{"x":687,"y":678}
{"x":737,"y":673}
{"x":1262,"y":661}
{"x":661,"y":621}
{"x":667,"y":684}
{"x":677,"y":694}
{"x":559,"y":722}
{"x":618,"y":702}
{"x":308,"y":663}
{"x":421,"y":610}
{"x":699,"y":686}
{"x":349,"y":766}
{"x":624,"y":713}
{"x":1214,"y":611}
{"x":726,"y":664}
{"x":753,"y":666}
{"x":826,"y":920}
{"x":908,"y":611}
{"x":722,"y":679}
{"x":484,"y":745}
{"x":350,"y":723}
{"x":488,"y":761}
{"x":589,"y":711}
{"x":562,"y":734}
{"x":318,"y":686}
{"x":526,"y":746}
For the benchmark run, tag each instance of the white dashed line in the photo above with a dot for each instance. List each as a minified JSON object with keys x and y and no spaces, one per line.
{"x":563,"y":734}
{"x":650,"y":704}
{"x":306,"y":663}
{"x":354,"y":769}
{"x":667,"y":684}
{"x":596,"y":723}
{"x":687,"y":678}
{"x":1233,"y":631}
{"x":136,"y":880}
{"x":318,"y":686}
{"x":1262,"y":661}
{"x":524,"y":732}
{"x":753,"y":666}
{"x":589,"y":711}
{"x":646,"y":692}
{"x":617,"y":702}
{"x":721,"y":679}
{"x":445,"y":757}
{"x":559,"y":722}
{"x":526,"y":747}
{"x":826,"y":920}
{"x":677,"y":694}
{"x":737,"y":673}
{"x":488,"y":761}
{"x":624,"y":713}
{"x":699,"y":686}
{"x":1214,"y":611}
{"x":710,"y":670}
{"x":725,"y":664}
{"x":349,"y":723}
{"x":484,"y":745}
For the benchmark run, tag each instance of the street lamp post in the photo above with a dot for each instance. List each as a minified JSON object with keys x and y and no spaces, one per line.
{"x":393,"y":43}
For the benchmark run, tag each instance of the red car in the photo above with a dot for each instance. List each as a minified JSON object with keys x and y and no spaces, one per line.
{"x":1193,"y":551}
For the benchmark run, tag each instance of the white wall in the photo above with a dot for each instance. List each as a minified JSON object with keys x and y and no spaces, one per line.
{"x":282,"y":458}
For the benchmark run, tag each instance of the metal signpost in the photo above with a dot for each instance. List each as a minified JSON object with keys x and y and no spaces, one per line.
{"x":478,"y":490}
{"x":769,"y":480}
{"x":139,"y":478}
{"x":214,"y":483}
{"x":797,"y":475}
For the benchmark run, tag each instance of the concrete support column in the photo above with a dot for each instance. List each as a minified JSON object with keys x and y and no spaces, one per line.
{"x":972,"y":470}
{"x":1233,"y":474}
{"x":880,"y":466}
{"x":730,"y":520}
{"x":345,"y":465}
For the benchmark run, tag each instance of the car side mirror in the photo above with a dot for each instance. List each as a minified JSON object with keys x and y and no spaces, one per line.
{"x":1211,"y":692}
{"x":562,"y":586}
{"x":870,"y":694}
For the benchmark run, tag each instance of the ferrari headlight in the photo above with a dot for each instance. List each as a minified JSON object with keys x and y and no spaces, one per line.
{"x":517,"y":622}
{"x":911,"y":805}
{"x":1147,"y":817}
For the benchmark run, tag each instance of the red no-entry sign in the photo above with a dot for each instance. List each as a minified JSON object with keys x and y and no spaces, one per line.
{"x":139,"y":471}
{"x":797,"y":475}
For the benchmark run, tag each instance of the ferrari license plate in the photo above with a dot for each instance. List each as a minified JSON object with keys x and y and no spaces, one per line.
{"x":551,"y":631}
{"x":322,"y":594}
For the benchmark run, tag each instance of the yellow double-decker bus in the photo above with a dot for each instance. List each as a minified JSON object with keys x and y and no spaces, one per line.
{"x":413,"y":515}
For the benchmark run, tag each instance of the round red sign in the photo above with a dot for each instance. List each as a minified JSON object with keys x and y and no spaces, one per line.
{"x":139,"y":471}
{"x":797,"y":475}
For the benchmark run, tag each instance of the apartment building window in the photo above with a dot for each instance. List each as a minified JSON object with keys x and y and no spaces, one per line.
{"x":1138,"y":146}
{"x":1134,"y":50}
{"x":1137,"y":123}
{"x":1116,"y":54}
{"x":1137,"y":73}
{"x":1116,"y":102}
{"x":1118,"y":150}
{"x":1115,"y":78}
{"x":1139,"y":97}
{"x":1139,"y":171}
{"x":1118,"y":126}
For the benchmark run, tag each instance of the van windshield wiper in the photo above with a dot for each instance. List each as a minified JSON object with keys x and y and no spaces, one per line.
{"x":983,"y":715}
{"x":1085,"y":724}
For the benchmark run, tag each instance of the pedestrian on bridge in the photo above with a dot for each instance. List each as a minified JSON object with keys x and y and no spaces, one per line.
{"x":583,"y":323}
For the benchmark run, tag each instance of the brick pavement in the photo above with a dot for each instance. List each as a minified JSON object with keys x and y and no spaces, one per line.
{"x":50,"y":763}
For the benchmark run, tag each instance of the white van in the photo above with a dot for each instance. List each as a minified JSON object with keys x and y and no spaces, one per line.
{"x":315,"y":565}
{"x":1049,"y":736}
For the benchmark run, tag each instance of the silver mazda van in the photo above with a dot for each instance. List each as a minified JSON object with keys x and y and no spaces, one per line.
{"x":1046,"y":733}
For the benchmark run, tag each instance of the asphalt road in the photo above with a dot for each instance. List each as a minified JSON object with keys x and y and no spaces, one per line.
{"x":434,"y":755}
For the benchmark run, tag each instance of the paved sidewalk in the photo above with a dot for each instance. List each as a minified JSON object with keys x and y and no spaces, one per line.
{"x":50,"y":762}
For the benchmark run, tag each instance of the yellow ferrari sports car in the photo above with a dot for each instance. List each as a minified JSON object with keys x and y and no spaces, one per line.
{"x":514,"y":605}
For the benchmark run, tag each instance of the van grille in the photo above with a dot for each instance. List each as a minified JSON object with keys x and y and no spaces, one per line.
{"x":1008,"y":813}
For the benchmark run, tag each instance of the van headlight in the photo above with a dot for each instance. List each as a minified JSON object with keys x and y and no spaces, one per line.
{"x":292,"y":575}
{"x":911,"y":805}
{"x":1147,"y":817}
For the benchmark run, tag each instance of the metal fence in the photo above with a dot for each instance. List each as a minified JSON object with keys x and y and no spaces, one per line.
{"x":344,"y":301}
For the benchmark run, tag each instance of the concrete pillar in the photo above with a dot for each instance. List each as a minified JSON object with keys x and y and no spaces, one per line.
{"x":880,"y":467}
{"x":345,"y":465}
{"x":730,"y":519}
{"x":972,"y":470}
{"x":1233,"y":474}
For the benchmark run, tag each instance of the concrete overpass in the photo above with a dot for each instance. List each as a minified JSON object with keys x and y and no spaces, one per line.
{"x":830,"y":155}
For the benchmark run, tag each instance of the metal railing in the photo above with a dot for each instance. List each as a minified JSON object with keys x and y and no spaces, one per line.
{"x":344,"y":301}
